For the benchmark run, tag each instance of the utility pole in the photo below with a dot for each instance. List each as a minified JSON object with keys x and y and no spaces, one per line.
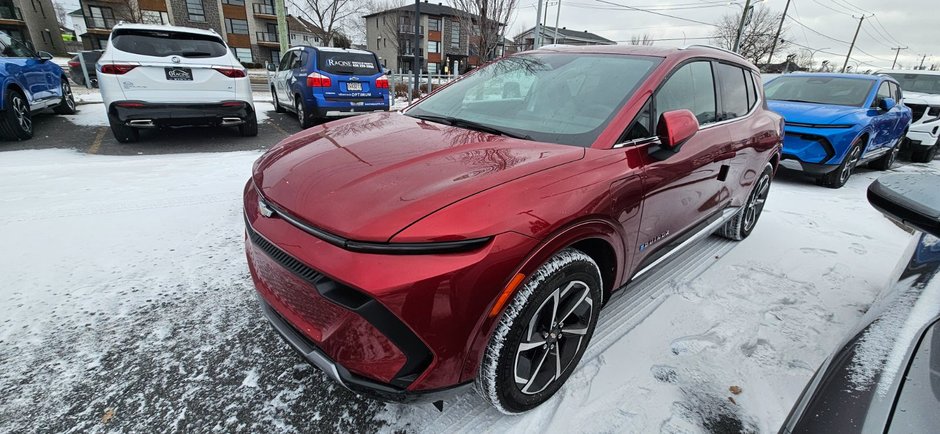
{"x":282,"y":34}
{"x":773,"y":46}
{"x":557,"y":14}
{"x":922,"y":59}
{"x":861,"y":19}
{"x":538,"y":27}
{"x":744,"y":13}
{"x":896,"y":54}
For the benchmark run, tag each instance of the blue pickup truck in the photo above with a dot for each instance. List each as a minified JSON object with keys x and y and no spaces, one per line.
{"x":31,"y":82}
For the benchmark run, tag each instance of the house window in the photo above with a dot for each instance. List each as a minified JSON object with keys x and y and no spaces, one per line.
{"x":432,"y":68}
{"x":154,"y":17}
{"x":434,"y":24}
{"x":455,"y":34}
{"x":236,"y":27}
{"x":434,"y":47}
{"x":243,"y":54}
{"x":234,"y":2}
{"x":196,"y":10}
{"x":100,"y":18}
{"x":275,"y":56}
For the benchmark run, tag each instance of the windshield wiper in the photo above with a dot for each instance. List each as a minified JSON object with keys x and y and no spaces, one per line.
{"x":470,"y":125}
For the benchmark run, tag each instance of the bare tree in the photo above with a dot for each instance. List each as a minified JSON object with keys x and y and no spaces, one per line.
{"x":390,"y":23}
{"x":644,"y":39}
{"x":758,"y":35}
{"x":60,"y":13}
{"x":329,"y":15}
{"x":804,"y":58}
{"x":484,"y":21}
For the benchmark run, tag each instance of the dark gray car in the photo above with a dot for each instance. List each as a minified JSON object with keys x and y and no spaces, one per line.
{"x":886,"y":377}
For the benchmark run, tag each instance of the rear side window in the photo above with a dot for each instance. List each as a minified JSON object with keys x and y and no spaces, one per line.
{"x":691,"y":87}
{"x":751,"y":90}
{"x":347,"y":63}
{"x":159,"y":43}
{"x":734,"y":94}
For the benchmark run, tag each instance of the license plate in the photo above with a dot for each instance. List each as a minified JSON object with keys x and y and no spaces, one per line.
{"x":354,"y":87}
{"x":356,"y":103}
{"x":179,"y":74}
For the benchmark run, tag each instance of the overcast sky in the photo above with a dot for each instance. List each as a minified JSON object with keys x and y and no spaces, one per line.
{"x":912,"y":23}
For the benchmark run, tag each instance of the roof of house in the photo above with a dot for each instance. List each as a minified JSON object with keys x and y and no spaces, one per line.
{"x":567,"y":33}
{"x":76,"y":12}
{"x":299,"y":24}
{"x":426,"y":8}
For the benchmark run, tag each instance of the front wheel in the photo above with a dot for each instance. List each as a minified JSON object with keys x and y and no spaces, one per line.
{"x":542,"y":334}
{"x":277,"y":104}
{"x":67,"y":105}
{"x":16,"y":122}
{"x":741,"y":225}
{"x":837,"y":178}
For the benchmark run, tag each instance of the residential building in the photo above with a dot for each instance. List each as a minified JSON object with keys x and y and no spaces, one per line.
{"x":249,"y":26}
{"x":78,"y":23}
{"x":33,"y":22}
{"x":444,"y":40}
{"x":526,"y":40}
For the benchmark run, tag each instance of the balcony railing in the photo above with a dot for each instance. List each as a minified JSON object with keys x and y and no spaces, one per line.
{"x":263,"y":9}
{"x":267,"y":37}
{"x":100,"y":23}
{"x":10,"y":13}
{"x":409,"y":29}
{"x":410,"y":52}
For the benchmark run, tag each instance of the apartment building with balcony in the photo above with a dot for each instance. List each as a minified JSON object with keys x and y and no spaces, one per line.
{"x":443,"y":40}
{"x":33,"y":22}
{"x":248,"y":26}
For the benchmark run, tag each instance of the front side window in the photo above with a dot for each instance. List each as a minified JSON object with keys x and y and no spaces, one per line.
{"x":14,"y":47}
{"x":691,"y":87}
{"x":196,"y":10}
{"x":883,"y":92}
{"x":237,"y":27}
{"x":819,"y":89}
{"x":553,"y":97}
{"x":733,"y":87}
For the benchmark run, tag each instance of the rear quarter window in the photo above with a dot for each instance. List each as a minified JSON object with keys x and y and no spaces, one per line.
{"x":158,"y":43}
{"x":347,"y":63}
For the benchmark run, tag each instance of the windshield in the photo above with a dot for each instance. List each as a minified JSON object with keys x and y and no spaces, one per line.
{"x":347,"y":63}
{"x":159,"y":43}
{"x":820,"y":90}
{"x":922,"y":83}
{"x":553,"y":97}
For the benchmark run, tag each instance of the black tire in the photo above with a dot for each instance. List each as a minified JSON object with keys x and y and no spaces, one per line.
{"x":568,"y":284}
{"x":741,"y":225}
{"x":277,"y":105}
{"x":302,"y":115}
{"x":886,"y":162}
{"x":837,"y":178}
{"x":250,"y":127}
{"x":123,"y":133}
{"x":926,"y":155}
{"x":67,"y":106}
{"x":16,"y":122}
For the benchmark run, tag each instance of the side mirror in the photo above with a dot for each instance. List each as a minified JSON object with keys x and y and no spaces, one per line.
{"x":911,"y":199}
{"x":675,"y":127}
{"x":887,"y":104}
{"x":44,"y":56}
{"x":386,"y":71}
{"x":271,"y":67}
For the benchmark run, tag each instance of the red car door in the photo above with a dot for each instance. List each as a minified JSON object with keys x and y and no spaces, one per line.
{"x":681,"y":187}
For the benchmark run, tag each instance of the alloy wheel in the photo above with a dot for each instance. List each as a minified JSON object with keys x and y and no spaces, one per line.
{"x":21,"y":111}
{"x":850,"y":164}
{"x":554,"y":335}
{"x":67,"y":93}
{"x":755,"y":205}
{"x":300,"y":112}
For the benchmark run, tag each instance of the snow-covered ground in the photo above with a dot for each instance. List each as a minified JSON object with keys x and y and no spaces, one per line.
{"x":127,"y":307}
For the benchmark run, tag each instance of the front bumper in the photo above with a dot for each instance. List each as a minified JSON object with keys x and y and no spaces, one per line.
{"x":921,"y":137}
{"x":142,"y":114}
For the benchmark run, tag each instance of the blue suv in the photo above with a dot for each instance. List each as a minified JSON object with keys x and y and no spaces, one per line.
{"x":31,"y":82}
{"x":321,"y":82}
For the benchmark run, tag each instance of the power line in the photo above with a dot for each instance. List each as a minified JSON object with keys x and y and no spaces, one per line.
{"x":853,"y":6}
{"x":886,"y":30}
{"x":817,"y":32}
{"x":832,"y":9}
{"x":656,"y":13}
{"x":875,"y":38}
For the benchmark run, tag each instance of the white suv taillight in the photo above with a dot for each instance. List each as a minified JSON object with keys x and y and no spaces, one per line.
{"x":116,"y":68}
{"x":315,"y":79}
{"x":381,"y":82}
{"x":231,"y":72}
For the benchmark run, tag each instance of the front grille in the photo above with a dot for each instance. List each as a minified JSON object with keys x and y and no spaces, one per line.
{"x":917,"y":110}
{"x":304,"y":272}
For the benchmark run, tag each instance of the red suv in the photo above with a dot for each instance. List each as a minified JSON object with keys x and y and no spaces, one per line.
{"x":476,"y":236}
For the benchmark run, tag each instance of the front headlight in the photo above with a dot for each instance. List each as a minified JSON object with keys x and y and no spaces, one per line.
{"x":933,"y":113}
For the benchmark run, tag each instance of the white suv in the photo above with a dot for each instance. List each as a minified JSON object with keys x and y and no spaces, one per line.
{"x":166,"y":76}
{"x":922,"y":95}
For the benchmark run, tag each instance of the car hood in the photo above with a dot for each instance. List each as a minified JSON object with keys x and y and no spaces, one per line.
{"x":921,"y":98}
{"x":367,"y":178}
{"x":807,"y":113}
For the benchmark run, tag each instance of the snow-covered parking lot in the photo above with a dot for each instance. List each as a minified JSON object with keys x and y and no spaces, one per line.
{"x":127,"y":307}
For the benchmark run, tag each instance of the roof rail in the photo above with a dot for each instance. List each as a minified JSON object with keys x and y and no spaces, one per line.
{"x":714,"y":48}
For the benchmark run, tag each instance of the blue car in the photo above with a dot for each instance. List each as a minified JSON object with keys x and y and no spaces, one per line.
{"x":835,"y":122}
{"x":31,"y":82}
{"x":323,"y":82}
